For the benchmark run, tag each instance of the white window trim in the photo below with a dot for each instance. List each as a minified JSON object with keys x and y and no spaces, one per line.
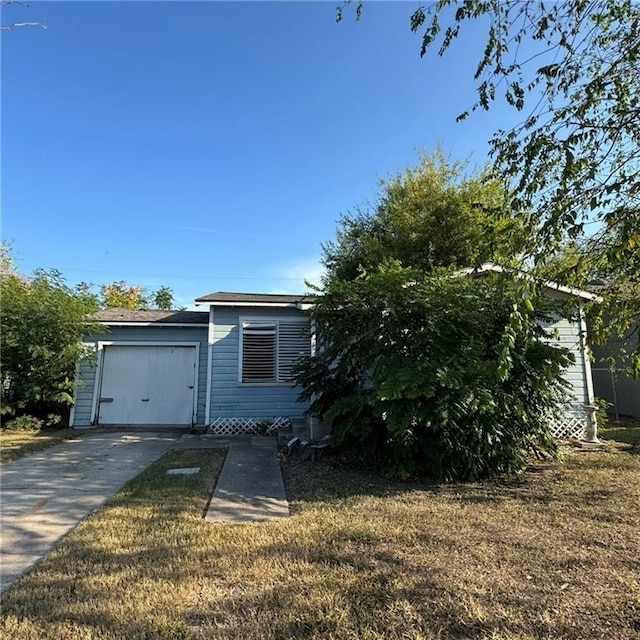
{"x":265,"y":320}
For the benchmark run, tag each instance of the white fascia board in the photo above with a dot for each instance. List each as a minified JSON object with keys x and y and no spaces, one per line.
{"x":145,"y":343}
{"x":549,"y":284}
{"x":290,"y":305}
{"x":303,"y":306}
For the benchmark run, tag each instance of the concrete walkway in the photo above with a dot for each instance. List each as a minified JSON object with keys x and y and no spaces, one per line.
{"x":250,"y":486}
{"x":46,"y":494}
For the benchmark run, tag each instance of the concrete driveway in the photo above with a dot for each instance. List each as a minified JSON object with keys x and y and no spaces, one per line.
{"x":45,"y":495}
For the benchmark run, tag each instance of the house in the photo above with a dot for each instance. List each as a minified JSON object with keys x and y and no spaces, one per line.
{"x":229,"y":367}
{"x":578,"y":419}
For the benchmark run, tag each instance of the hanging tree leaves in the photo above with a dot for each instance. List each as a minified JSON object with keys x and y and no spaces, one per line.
{"x":572,"y":70}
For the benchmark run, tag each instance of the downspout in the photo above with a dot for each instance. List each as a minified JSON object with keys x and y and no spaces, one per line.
{"x":591,"y":432}
{"x":207,"y":409}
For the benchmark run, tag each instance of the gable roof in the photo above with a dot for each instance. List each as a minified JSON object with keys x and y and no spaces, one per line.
{"x":549,"y":284}
{"x":149,"y":316}
{"x":228,"y":298}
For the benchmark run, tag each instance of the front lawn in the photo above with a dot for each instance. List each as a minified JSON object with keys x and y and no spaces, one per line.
{"x":16,"y":444}
{"x":627,"y":431}
{"x":555,"y":556}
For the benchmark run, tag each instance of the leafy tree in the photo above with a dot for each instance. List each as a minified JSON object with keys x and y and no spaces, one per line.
{"x":125,"y":296}
{"x":572,"y":163}
{"x":421,"y":370}
{"x":122,"y":296}
{"x":571,"y":68}
{"x":42,"y":323}
{"x":618,"y":314}
{"x":428,"y":216}
{"x":434,"y":374}
{"x":163,"y":298}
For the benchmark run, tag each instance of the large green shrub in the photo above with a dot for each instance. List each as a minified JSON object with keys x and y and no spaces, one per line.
{"x":437,"y":374}
{"x":42,"y":323}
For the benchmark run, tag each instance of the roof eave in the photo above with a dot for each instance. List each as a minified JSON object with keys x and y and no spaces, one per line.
{"x":229,"y":303}
{"x":549,"y":284}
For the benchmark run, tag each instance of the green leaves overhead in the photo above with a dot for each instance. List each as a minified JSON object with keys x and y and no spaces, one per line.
{"x":572,"y":68}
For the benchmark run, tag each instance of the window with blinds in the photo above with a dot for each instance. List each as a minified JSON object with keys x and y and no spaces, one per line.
{"x":270,"y":350}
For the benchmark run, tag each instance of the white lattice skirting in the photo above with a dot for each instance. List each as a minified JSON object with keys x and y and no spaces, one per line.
{"x":572,"y":424}
{"x":239,"y":426}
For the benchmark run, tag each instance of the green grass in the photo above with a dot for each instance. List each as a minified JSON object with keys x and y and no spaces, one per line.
{"x":627,"y":431}
{"x":16,"y":444}
{"x":556,"y":555}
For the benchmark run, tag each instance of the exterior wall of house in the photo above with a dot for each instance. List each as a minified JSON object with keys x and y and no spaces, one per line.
{"x":87,"y":370}
{"x":232,"y":400}
{"x":567,"y":334}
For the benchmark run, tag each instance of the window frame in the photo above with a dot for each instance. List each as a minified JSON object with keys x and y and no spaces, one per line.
{"x":268,"y":320}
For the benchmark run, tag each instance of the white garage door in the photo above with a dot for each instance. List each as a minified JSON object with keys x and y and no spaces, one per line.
{"x":147,"y":385}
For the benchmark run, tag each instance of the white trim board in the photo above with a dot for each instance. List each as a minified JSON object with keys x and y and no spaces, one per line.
{"x":210,"y":334}
{"x":286,"y":305}
{"x":549,"y":284}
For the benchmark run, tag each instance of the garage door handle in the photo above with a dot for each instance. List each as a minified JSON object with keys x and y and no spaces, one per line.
{"x":145,"y":399}
{"x":190,"y":386}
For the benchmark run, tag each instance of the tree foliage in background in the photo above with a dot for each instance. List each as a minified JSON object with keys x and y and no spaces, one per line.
{"x":421,"y":370}
{"x":121,"y":295}
{"x":42,"y":324}
{"x":428,"y":216}
{"x":571,"y":68}
{"x":434,"y":374}
{"x":163,"y":298}
{"x":572,"y":163}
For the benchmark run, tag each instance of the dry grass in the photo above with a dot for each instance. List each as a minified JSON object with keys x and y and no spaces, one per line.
{"x":556,"y":556}
{"x":15,"y":444}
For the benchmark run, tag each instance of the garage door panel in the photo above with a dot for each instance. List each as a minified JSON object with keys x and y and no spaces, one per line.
{"x":147,"y":385}
{"x":170,"y":386}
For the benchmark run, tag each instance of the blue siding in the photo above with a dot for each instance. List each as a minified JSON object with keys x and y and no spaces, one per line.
{"x":84,"y":394}
{"x":232,"y":399}
{"x":565,"y":333}
{"x":87,"y":371}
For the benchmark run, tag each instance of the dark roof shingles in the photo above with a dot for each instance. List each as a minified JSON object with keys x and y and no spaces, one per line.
{"x":257,"y":298}
{"x":153,"y":316}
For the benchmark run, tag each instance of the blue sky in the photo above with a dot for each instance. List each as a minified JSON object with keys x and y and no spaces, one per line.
{"x":213,"y":146}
